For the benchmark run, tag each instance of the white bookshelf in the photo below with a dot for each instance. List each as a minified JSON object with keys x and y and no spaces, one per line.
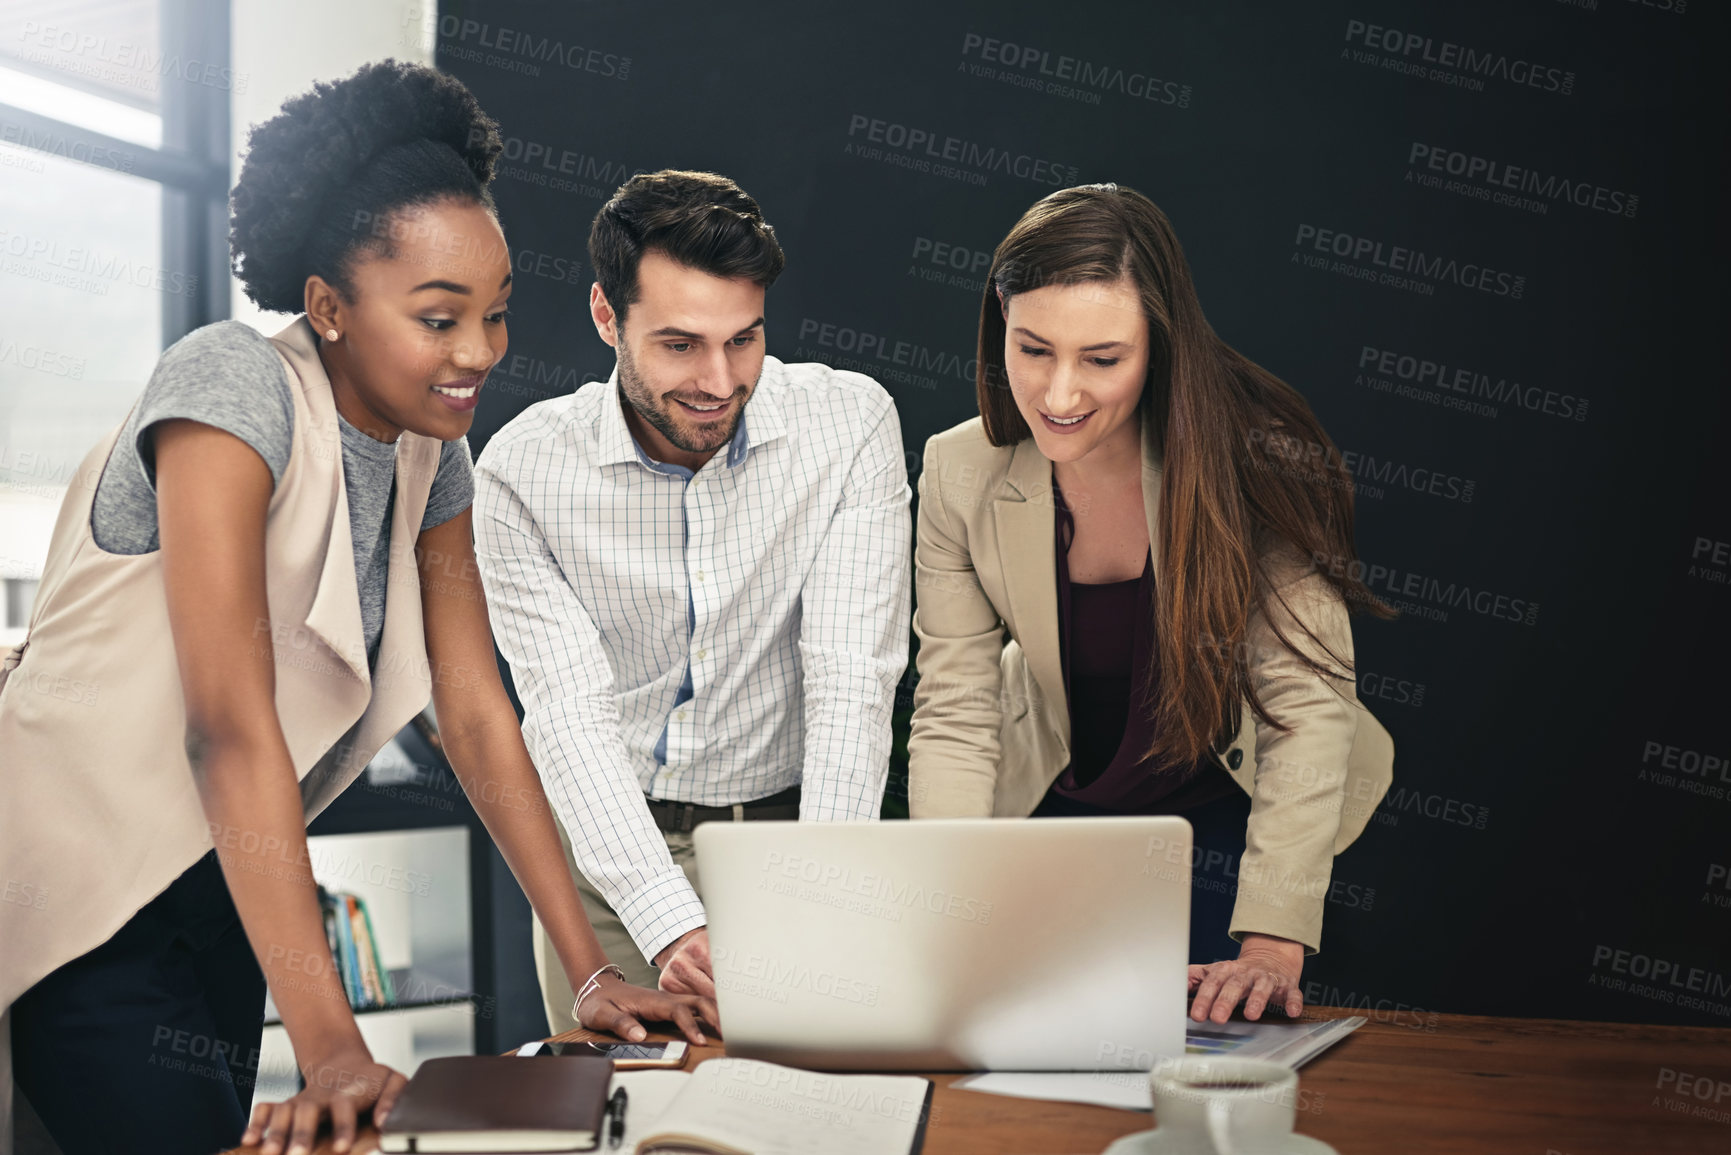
{"x":415,"y":884}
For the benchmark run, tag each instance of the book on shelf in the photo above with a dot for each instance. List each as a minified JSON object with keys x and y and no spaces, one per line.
{"x":342,"y":947}
{"x":328,"y":913}
{"x":354,"y":948}
{"x":388,"y":992}
{"x":370,"y":987}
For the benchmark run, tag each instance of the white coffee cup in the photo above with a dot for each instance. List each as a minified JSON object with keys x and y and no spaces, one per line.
{"x":1226,"y":1105}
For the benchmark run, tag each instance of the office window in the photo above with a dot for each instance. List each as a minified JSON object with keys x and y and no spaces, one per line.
{"x":114,"y":174}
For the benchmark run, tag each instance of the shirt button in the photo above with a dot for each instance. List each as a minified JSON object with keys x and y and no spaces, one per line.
{"x":702,"y":654}
{"x":680,"y":715}
{"x":698,"y":575}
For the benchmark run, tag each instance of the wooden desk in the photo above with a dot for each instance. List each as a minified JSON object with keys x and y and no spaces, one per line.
{"x":1417,"y":1085}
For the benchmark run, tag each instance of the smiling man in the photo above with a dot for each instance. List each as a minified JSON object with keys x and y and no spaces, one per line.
{"x":705,"y":610}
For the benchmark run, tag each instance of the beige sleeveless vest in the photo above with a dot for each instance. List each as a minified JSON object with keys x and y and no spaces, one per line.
{"x":98,"y":809}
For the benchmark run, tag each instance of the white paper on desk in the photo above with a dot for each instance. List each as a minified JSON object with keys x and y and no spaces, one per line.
{"x":1125,"y":1090}
{"x":1293,"y":1044}
{"x":647,"y":1095}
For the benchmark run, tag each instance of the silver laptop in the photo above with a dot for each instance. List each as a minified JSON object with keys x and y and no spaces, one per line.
{"x":1052,"y":944}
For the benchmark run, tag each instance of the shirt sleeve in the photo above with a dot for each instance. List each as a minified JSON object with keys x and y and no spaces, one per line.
{"x":571,"y":721}
{"x":226,"y":375}
{"x":853,"y":642}
{"x":453,"y":488}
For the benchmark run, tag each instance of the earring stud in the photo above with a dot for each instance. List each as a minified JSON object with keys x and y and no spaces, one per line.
{"x":332,"y":335}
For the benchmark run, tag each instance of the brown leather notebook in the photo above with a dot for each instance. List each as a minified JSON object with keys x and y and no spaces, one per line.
{"x":500,"y":1103}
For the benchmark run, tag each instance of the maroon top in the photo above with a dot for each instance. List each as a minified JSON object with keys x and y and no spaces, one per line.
{"x":1106,"y":646}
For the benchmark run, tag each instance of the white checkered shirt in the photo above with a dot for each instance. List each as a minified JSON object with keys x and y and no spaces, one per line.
{"x":778,"y":579}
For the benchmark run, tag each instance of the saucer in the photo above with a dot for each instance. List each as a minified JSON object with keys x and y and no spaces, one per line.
{"x":1158,"y":1142}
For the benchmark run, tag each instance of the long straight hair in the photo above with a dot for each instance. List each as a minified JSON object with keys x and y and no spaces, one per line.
{"x":1248,"y":473}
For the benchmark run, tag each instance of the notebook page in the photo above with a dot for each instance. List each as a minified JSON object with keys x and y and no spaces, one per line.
{"x":769,"y":1109}
{"x":651,"y":1093}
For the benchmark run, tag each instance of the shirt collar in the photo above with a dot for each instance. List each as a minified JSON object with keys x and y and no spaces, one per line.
{"x":768,"y":422}
{"x":763,"y":416}
{"x":614,"y":443}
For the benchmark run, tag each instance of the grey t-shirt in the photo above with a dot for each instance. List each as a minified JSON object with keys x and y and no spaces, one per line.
{"x":228,"y":375}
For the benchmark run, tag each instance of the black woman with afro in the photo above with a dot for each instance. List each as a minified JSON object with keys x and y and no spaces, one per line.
{"x":276,"y":549}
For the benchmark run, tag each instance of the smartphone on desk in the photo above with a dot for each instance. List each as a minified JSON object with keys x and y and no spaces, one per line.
{"x":625,"y":1056}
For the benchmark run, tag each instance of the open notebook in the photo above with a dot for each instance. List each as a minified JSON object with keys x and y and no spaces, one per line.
{"x":747,"y":1107}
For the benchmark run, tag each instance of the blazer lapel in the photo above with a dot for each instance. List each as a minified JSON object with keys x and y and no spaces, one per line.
{"x":1024,"y":516}
{"x":402,"y":665}
{"x":335,"y":614}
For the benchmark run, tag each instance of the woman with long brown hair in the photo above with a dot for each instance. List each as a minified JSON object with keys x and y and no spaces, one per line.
{"x":1133,"y":573}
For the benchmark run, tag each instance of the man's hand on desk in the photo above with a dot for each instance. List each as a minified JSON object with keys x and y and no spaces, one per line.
{"x":1265,"y":972}
{"x":620,"y":1008}
{"x":685,"y":965}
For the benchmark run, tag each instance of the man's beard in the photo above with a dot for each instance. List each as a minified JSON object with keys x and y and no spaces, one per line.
{"x":641,"y":396}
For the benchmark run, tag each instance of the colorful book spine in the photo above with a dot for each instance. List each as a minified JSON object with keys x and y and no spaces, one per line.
{"x":328,"y":913}
{"x":347,"y":959}
{"x":371,"y":991}
{"x":354,"y":945}
{"x":389,"y":991}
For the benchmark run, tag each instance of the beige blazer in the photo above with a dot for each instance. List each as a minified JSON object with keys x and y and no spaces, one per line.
{"x":98,"y":808}
{"x":991,"y":725}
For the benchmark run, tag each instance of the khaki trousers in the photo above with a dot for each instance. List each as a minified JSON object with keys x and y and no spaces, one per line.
{"x":557,"y":993}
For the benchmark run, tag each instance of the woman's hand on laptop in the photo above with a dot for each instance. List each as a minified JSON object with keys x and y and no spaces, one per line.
{"x":622,"y":1009}
{"x":685,"y":965}
{"x":1264,"y":973}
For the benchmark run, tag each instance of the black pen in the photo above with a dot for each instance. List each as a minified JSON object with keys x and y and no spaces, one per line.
{"x":616,"y":1114}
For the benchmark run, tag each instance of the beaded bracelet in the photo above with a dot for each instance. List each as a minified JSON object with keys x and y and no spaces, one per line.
{"x":589,"y":988}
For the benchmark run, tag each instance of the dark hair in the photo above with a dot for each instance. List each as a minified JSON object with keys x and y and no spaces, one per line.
{"x":324,"y":176}
{"x":700,"y":219}
{"x":1248,"y":475}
